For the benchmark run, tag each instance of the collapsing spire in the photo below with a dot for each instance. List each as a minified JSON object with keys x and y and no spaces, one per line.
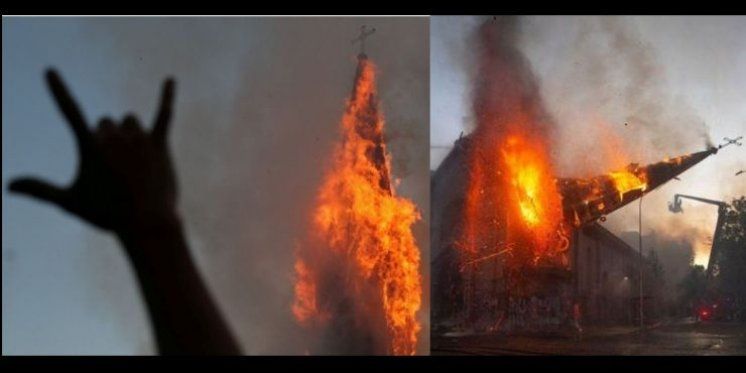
{"x":585,"y":200}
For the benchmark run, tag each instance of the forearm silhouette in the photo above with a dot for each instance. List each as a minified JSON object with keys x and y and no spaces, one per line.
{"x":126,"y":184}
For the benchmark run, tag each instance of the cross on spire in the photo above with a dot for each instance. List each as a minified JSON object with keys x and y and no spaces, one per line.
{"x":364,"y":34}
{"x":729,"y":141}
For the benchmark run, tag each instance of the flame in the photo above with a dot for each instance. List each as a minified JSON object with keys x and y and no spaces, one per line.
{"x":363,"y":223}
{"x":528,"y":171}
{"x":676,"y":160}
{"x":305,"y":308}
{"x":625,"y":181}
{"x":518,"y":196}
{"x":534,"y":192}
{"x":511,"y":196}
{"x":588,"y":199}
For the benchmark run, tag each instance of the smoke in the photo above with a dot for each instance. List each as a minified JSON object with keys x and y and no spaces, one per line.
{"x":509,"y":165}
{"x":602,"y":100}
{"x":345,"y":326}
{"x":675,"y":253}
{"x":505,"y":87}
{"x":257,"y":112}
{"x":610,"y":95}
{"x":613,"y":101}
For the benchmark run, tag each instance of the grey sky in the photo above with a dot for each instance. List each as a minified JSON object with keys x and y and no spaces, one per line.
{"x":696,"y":71}
{"x":257,"y":110}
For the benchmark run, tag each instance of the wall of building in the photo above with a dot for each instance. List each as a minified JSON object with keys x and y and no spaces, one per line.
{"x":603,"y":274}
{"x":606,"y":274}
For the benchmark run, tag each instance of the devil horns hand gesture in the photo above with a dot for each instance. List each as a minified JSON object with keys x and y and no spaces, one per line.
{"x":125,"y":180}
{"x":125,"y":184}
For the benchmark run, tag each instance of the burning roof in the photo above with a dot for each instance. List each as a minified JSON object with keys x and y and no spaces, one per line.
{"x":585,"y":200}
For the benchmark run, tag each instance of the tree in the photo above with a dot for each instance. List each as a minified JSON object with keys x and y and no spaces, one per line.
{"x":734,"y":227}
{"x":731,"y":278}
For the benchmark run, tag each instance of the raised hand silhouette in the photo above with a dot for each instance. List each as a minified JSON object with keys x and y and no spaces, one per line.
{"x":125,"y":179}
{"x":126,"y":184}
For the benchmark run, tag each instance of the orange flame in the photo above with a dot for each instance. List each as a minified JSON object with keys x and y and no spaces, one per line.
{"x":365,"y":225}
{"x":518,"y":196}
{"x":533,"y":192}
{"x":625,"y":181}
{"x":305,"y":307}
{"x":530,"y":175}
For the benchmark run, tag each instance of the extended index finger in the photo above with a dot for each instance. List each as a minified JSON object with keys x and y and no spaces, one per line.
{"x":69,"y":108}
{"x":165,"y":109}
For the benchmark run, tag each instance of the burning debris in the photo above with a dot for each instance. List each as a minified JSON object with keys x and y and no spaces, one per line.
{"x":357,"y":276}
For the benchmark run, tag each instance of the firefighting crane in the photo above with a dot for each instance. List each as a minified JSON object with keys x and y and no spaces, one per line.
{"x":714,"y":304}
{"x":675,"y":207}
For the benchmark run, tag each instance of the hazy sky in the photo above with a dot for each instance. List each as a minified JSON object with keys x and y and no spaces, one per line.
{"x":257,"y":112}
{"x":669,"y":77}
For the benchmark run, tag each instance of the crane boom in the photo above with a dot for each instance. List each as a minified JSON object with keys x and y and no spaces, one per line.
{"x":678,"y":197}
{"x":714,"y":252}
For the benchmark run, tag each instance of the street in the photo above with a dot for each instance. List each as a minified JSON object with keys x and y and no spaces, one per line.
{"x":682,"y":338}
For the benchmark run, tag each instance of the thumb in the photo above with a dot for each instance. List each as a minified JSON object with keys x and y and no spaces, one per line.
{"x":38,"y":189}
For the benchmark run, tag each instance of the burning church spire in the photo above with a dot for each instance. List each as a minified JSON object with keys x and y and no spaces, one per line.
{"x":586,"y":200}
{"x":358,"y":283}
{"x":369,"y":124}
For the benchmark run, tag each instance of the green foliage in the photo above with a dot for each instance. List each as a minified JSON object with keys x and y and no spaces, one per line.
{"x":731,"y":276}
{"x":734,"y":227}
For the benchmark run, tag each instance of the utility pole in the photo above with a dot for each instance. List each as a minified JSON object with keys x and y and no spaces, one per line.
{"x":639,"y":234}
